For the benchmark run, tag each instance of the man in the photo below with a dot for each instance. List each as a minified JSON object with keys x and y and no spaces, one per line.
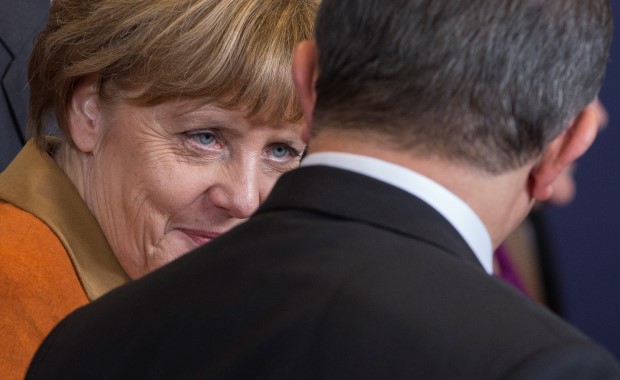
{"x":433,"y":127}
{"x":19,"y":22}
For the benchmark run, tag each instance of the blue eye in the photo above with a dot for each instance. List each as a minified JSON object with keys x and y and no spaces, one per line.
{"x":205,"y":138}
{"x":280,"y":151}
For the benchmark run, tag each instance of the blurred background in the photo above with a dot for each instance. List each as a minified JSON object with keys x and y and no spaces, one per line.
{"x":585,"y":235}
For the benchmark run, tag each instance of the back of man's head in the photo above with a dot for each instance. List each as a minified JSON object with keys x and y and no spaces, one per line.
{"x":488,"y":83}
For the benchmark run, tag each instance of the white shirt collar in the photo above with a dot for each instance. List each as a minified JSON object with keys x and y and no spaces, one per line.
{"x":454,"y":209}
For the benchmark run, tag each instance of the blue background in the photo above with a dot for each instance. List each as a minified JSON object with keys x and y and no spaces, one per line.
{"x":586,"y":234}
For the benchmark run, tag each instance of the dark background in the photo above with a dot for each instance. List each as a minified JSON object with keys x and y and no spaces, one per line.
{"x":586,"y":234}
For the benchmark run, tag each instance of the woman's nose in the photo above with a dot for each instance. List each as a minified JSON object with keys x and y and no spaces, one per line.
{"x":239,"y":195}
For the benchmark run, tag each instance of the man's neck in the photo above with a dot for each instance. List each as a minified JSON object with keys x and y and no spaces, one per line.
{"x":500,"y":201}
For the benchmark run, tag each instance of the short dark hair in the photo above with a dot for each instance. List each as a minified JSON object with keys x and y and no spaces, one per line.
{"x":486,"y":82}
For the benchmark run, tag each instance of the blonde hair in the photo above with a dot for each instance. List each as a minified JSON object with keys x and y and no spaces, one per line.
{"x":236,"y":53}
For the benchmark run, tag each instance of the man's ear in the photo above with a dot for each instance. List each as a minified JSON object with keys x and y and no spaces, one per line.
{"x":84,"y":114}
{"x":305,"y":74}
{"x":564,"y":150}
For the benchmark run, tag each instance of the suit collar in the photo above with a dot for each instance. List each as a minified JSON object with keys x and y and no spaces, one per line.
{"x":460,"y":215}
{"x":344,"y":194}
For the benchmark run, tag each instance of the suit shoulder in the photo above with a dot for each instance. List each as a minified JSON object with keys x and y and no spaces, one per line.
{"x":454,"y":319}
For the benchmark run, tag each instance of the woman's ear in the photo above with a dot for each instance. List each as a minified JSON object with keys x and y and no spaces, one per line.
{"x":84,"y":114}
{"x":305,"y":74}
{"x":562,"y":152}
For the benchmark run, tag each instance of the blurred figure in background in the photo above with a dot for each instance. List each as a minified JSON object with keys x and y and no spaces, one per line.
{"x":20,"y":21}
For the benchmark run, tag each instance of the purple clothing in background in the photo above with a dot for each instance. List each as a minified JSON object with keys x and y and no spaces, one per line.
{"x":507,"y":270}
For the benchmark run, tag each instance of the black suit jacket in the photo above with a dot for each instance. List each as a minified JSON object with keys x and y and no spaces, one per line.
{"x":337,"y":276}
{"x":20,"y":21}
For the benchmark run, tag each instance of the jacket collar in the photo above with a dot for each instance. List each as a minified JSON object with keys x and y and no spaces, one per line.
{"x":344,"y":194}
{"x":34,"y":183}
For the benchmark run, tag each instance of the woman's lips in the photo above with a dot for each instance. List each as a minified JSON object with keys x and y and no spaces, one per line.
{"x":199,"y":237}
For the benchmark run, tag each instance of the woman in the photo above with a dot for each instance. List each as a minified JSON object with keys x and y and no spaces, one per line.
{"x":176,"y":118}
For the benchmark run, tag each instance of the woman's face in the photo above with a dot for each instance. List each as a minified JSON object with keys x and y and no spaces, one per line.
{"x":165,"y":182}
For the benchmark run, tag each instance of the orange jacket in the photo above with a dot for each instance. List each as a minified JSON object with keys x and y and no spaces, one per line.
{"x":39,"y":287}
{"x":53,"y":255}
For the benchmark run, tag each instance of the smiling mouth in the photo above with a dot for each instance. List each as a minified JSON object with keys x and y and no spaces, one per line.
{"x":199,"y":237}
